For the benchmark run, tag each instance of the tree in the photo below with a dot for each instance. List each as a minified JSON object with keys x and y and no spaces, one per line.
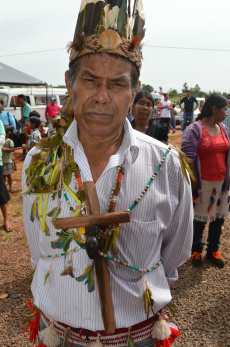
{"x":185,"y":87}
{"x":147,"y":87}
{"x":160,"y":89}
{"x":173,"y":93}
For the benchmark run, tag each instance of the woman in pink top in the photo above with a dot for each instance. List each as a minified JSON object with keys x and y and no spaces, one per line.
{"x":51,"y":112}
{"x":206,"y":142}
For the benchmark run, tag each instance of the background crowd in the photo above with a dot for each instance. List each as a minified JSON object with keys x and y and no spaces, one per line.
{"x":205,"y":141}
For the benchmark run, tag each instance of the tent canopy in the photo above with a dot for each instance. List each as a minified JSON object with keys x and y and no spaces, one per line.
{"x":12,"y":77}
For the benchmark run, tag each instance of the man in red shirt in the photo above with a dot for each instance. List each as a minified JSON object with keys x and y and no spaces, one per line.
{"x":51,"y":112}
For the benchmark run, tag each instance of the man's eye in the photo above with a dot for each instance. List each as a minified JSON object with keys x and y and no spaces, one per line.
{"x":118,"y":84}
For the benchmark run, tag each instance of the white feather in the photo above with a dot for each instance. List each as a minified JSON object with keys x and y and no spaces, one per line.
{"x":83,"y":4}
{"x":113,"y":15}
{"x":129,"y":28}
{"x":140,"y":9}
{"x":106,"y":21}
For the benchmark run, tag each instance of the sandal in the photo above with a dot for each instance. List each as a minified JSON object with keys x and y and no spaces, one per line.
{"x":8,"y":228}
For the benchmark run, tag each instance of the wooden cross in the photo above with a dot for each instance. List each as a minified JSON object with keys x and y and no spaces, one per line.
{"x":94,"y":218}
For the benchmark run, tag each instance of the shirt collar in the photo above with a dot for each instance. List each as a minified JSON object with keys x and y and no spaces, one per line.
{"x":129,"y":142}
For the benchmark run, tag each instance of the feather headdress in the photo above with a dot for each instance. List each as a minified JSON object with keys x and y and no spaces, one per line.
{"x":109,"y":26}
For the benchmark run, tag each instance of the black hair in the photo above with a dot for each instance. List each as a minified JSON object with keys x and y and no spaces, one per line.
{"x":7,"y":131}
{"x":71,"y":73}
{"x":22,"y":96}
{"x":34,"y":114}
{"x":36,"y":121}
{"x":213,"y":100}
{"x":141,"y":94}
{"x":1,"y":102}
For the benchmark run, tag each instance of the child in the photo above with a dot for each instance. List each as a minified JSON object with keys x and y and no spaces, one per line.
{"x":26,"y":129}
{"x":8,"y":165}
{"x":35,"y":134}
{"x":181,"y":120}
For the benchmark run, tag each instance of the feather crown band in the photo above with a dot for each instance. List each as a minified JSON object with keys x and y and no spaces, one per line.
{"x":109,"y":26}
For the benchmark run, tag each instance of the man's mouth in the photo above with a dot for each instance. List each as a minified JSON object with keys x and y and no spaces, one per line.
{"x":99,"y":115}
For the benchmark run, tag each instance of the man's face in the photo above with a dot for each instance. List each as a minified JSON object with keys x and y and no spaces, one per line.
{"x":53,"y":102}
{"x":188,"y":94}
{"x":166,"y":97}
{"x":101,"y":94}
{"x":1,"y":107}
{"x":20,"y":101}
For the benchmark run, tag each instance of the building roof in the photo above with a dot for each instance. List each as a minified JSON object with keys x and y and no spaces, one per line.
{"x":12,"y":77}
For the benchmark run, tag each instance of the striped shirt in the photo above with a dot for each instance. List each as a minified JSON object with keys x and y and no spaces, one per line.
{"x":161,"y":226}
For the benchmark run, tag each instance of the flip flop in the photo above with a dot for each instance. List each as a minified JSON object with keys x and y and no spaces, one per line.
{"x":8,"y":228}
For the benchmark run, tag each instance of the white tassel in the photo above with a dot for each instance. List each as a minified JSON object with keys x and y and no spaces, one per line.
{"x":49,"y":336}
{"x":96,"y":343}
{"x":161,"y":329}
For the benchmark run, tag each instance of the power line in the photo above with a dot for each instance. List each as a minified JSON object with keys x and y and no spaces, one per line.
{"x":165,"y":47}
{"x":191,"y":48}
{"x":47,"y":50}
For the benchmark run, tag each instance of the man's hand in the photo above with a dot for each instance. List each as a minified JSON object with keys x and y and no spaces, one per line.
{"x":183,"y":109}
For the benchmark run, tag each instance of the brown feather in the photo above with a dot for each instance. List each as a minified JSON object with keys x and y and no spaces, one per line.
{"x":77,"y":43}
{"x":136,"y":41}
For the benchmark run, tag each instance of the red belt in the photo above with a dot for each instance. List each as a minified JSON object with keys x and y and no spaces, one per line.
{"x":83,"y":337}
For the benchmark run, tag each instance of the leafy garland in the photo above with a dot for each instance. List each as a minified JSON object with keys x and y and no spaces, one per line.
{"x":50,"y":172}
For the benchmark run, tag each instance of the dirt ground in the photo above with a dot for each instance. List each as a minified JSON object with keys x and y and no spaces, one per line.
{"x":201,"y":296}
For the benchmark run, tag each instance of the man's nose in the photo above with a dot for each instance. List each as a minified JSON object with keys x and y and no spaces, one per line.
{"x":102,"y":94}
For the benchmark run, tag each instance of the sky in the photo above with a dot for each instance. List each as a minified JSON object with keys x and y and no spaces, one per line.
{"x":186,"y":41}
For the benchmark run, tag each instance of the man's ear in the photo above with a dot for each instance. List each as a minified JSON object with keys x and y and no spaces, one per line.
{"x":67,"y":85}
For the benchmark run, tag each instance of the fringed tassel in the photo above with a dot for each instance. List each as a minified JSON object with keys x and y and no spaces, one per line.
{"x":49,"y":336}
{"x":163,"y":333}
{"x":33,"y":324}
{"x":174,"y":334}
{"x":96,"y":343}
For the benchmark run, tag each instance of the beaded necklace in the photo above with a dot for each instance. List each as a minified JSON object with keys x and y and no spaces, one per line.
{"x":110,"y":208}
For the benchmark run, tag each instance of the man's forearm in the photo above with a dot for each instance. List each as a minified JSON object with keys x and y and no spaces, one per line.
{"x":9,"y":127}
{"x":22,"y":119}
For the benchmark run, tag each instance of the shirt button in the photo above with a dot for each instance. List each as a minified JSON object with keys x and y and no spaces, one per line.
{"x":87,"y":317}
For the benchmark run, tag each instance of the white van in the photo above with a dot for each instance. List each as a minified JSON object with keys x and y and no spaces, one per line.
{"x":35,"y":96}
{"x":157,"y":97}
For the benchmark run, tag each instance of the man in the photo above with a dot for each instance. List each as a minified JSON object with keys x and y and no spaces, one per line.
{"x":25,"y":112}
{"x":102,"y":81}
{"x":188,"y":109}
{"x":165,"y":106}
{"x":7,"y":118}
{"x":51,"y":112}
